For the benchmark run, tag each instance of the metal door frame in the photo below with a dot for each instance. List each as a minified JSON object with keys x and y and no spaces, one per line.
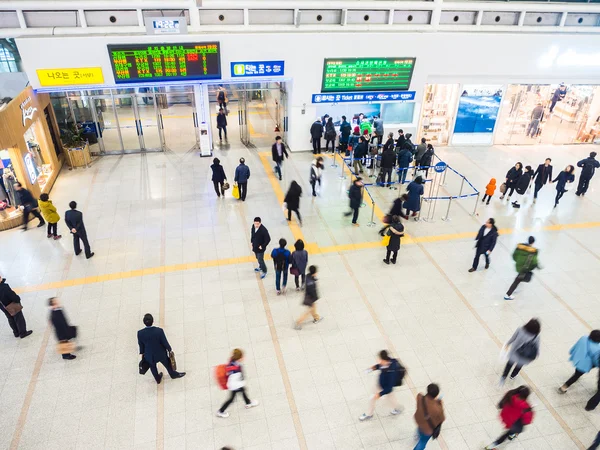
{"x":243,"y":116}
{"x":161,"y":120}
{"x":158,"y":117}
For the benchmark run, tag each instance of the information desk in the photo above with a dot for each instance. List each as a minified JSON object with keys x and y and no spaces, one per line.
{"x":367,"y":74}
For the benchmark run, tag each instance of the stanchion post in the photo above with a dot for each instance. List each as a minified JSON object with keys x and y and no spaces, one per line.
{"x":447,"y":219}
{"x":476,"y":203}
{"x":342,"y":176}
{"x":372,"y":222}
{"x":461,"y":186}
{"x":334,"y":165}
{"x":443,"y":183}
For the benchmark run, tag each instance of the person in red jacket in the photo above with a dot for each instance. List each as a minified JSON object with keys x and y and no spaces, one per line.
{"x":515,"y":413}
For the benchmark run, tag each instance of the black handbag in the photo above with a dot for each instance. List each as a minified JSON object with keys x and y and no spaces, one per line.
{"x":527,"y":276}
{"x":528,"y":350}
{"x":436,"y":430}
{"x":144,"y":366}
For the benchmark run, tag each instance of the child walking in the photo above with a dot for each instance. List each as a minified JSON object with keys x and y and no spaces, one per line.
{"x":49,"y":213}
{"x":235,"y":383}
{"x":489,"y":191}
{"x":311,"y":296}
{"x":281,"y":261}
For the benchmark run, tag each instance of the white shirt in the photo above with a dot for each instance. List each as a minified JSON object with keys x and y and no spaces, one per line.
{"x":486,"y":230}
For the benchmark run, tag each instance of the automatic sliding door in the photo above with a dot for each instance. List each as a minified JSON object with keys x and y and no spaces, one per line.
{"x":128,"y":122}
{"x":148,"y":121}
{"x":108,"y":124}
{"x":178,"y":120}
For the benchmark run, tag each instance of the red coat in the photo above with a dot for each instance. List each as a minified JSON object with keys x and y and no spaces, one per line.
{"x":514,"y":410}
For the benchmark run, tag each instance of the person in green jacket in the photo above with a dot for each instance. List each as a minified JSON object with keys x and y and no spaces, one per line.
{"x":49,"y":213}
{"x":366,"y":125}
{"x":526,"y":259}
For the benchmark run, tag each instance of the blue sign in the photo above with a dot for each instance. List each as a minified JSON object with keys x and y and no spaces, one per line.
{"x":401,"y":96}
{"x":440,"y":167}
{"x":257,"y":69}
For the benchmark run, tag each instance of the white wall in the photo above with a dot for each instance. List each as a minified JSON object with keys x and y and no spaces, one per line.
{"x":441,"y":58}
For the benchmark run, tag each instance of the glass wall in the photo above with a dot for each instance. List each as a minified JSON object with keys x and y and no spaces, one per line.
{"x":437,"y":115}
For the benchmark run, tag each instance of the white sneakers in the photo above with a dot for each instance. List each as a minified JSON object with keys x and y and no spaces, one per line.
{"x":252,"y":404}
{"x":364,"y":417}
{"x":225,"y":414}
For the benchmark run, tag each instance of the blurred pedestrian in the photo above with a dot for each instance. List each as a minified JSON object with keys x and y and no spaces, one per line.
{"x":512,"y":176}
{"x":395,"y":230}
{"x":218,"y":177}
{"x":279,"y":153}
{"x":427,"y":159}
{"x":49,"y":213}
{"x":485,"y":243}
{"x":74,"y":220}
{"x":414,"y":191}
{"x":526,"y":260}
{"x":588,"y":168}
{"x":281,"y":260}
{"x":236,"y":383}
{"x":316,"y":132}
{"x":522,"y":185}
{"x":429,"y":416}
{"x":524,"y":348}
{"x":566,"y":176}
{"x":361,"y":151}
{"x":584,"y":357}
{"x":260,"y":238}
{"x":299,"y":263}
{"x":64,"y":331}
{"x":292,"y":201}
{"x":542,"y":175}
{"x":28,"y":205}
{"x":222,"y":124}
{"x":10,"y":303}
{"x":355,"y":196}
{"x":515,"y":413}
{"x":391,"y":374}
{"x":316,"y":172}
{"x":242,"y":175}
{"x":311,"y":295}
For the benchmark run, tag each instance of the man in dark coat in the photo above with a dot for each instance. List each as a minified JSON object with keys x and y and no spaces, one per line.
{"x":404,"y":159}
{"x":316,"y":133}
{"x":355,"y":196}
{"x":541,"y":176}
{"x":260,"y":238}
{"x":74,"y":220}
{"x":588,"y":167}
{"x":241,"y":177}
{"x":401,"y":140}
{"x":28,"y":204}
{"x":64,"y":331}
{"x":222,"y":123}
{"x":485,"y":243}
{"x":388,"y":160}
{"x":345,"y":131}
{"x":278,"y":152}
{"x":154,"y":348}
{"x":16,"y":322}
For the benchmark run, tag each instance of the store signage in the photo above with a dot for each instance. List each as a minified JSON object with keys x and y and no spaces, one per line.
{"x":166,"y":25}
{"x":27,"y":110}
{"x":403,"y":96}
{"x":440,"y":167}
{"x":29,"y":165}
{"x":257,"y":69}
{"x":69,"y":77}
{"x":569,"y":58}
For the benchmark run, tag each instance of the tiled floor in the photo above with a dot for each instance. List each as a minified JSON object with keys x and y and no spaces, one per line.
{"x":159,"y":212}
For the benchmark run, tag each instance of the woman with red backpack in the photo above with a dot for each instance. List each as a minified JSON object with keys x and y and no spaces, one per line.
{"x":515,"y":413}
{"x":232,"y":379}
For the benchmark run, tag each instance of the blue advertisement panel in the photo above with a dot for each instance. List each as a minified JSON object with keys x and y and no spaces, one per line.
{"x":242,"y":69}
{"x":478,"y":109}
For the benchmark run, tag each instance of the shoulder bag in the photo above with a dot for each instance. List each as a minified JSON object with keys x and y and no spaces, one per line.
{"x":172,"y":360}
{"x":436,"y":430}
{"x":14,"y":308}
{"x":528,"y":350}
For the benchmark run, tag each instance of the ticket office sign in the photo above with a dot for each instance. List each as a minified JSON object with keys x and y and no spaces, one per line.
{"x":70,"y":76}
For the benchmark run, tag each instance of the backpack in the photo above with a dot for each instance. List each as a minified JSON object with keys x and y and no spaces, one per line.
{"x":221,"y":376}
{"x":528,"y":350}
{"x":400,"y":373}
{"x":279,"y":261}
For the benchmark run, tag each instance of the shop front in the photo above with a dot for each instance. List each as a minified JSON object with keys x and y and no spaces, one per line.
{"x":30,"y":151}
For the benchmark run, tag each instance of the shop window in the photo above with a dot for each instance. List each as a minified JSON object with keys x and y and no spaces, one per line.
{"x":437,"y":115}
{"x":477,"y":113}
{"x":36,"y":164}
{"x":401,"y":112}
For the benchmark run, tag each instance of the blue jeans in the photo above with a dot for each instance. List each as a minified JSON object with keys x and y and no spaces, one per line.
{"x":278,"y":278}
{"x":423,"y":440}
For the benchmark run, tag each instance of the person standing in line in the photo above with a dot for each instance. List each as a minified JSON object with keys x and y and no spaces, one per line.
{"x":391,"y":374}
{"x":408,"y":144}
{"x":390,"y":143}
{"x":429,"y":416}
{"x":485,"y":243}
{"x":316,"y":171}
{"x":515,"y":413}
{"x":242,"y":175}
{"x":330,"y":135}
{"x":299,"y":263}
{"x":14,"y":313}
{"x":522,"y":185}
{"x":345,"y":131}
{"x":524,"y":348}
{"x":427,"y":159}
{"x":260,"y":238}
{"x":49,"y":213}
{"x":526,"y":259}
{"x":235,"y":383}
{"x":278,"y":153}
{"x":222,"y":124}
{"x":355,"y":196}
{"x":292,"y":200}
{"x":537,"y":114}
{"x":74,"y":220}
{"x":28,"y":205}
{"x":421,"y":149}
{"x":281,"y":261}
{"x":353,"y":141}
{"x":361,"y":150}
{"x":388,"y":161}
{"x":542,"y":175}
{"x":401,"y":140}
{"x":588,"y":167}
{"x":379,"y":129}
{"x":414,"y":191}
{"x":218,"y":177}
{"x":564,"y":177}
{"x":366,"y":128}
{"x":405,"y":157}
{"x":155,"y":348}
{"x":512,"y":177}
{"x":316,"y":132}
{"x":311,"y":295}
{"x":489,"y":191}
{"x":584,"y":356}
{"x":395,"y":231}
{"x":64,"y":331}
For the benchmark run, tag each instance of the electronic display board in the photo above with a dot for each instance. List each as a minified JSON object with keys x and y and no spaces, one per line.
{"x":367,"y":74}
{"x":135,"y":63}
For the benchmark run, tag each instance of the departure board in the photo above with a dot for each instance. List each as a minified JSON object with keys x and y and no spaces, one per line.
{"x":135,"y":63}
{"x":367,"y":74}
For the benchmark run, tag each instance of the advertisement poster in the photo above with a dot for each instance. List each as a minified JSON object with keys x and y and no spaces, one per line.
{"x":478,"y":108}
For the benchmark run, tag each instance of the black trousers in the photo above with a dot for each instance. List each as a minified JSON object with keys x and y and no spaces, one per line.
{"x":583,"y":185}
{"x":316,"y":143}
{"x":232,"y":397}
{"x":167,"y":363}
{"x":86,"y":244}
{"x":52,"y":229}
{"x":387,"y":172}
{"x":509,"y":366}
{"x":313,"y":183}
{"x":510,"y":189}
{"x":216,"y":185}
{"x":17,"y":323}
{"x":489,"y":197}
{"x":595,"y":399}
{"x":355,"y":214}
{"x":536,"y":189}
{"x":224,"y":131}
{"x":28,"y":210}
{"x":332,"y":144}
{"x":297,"y":214}
{"x":559,"y":195}
{"x":576,"y":376}
{"x":476,"y":259}
{"x":297,"y":279}
{"x":520,"y":277}
{"x":243,"y":189}
{"x":596,"y":443}
{"x":515,"y":429}
{"x":392,"y":253}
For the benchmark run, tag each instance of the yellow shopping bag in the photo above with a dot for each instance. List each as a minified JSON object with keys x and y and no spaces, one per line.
{"x":385,"y":241}
{"x":235,"y":191}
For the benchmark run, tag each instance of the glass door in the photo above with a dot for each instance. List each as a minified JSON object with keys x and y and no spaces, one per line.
{"x":107,"y":124}
{"x":128,"y":122}
{"x":243,"y":116}
{"x":177,"y":118}
{"x":148,"y":121}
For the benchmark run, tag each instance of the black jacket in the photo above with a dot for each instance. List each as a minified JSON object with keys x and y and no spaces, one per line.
{"x":259,"y":238}
{"x":218,"y":173}
{"x":389,"y":144}
{"x":513,"y":175}
{"x":275,"y":153}
{"x":396,"y":208}
{"x":400,"y":142}
{"x":74,"y":219}
{"x":408,"y":145}
{"x":523,"y":182}
{"x":26,"y":199}
{"x":388,"y":159}
{"x":427,"y":158}
{"x":355,"y":196}
{"x":153,"y":344}
{"x":361,"y":150}
{"x":292,"y":198}
{"x":221,"y":120}
{"x":487,"y":242}
{"x":543,"y":174}
{"x":316,"y":130}
{"x":7,"y":295}
{"x":63,"y":330}
{"x":404,"y":157}
{"x":311,"y":294}
{"x":588,"y":167}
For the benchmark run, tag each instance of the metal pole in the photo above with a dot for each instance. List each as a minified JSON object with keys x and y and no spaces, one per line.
{"x":437,"y":193}
{"x":420,"y":209}
{"x":372,"y":222}
{"x":342,"y":176}
{"x":447,"y":219}
{"x":334,"y":164}
{"x":476,"y":203}
{"x":461,"y":186}
{"x":444,"y":180}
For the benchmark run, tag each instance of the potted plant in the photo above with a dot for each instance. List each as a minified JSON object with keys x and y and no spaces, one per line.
{"x":76,"y":145}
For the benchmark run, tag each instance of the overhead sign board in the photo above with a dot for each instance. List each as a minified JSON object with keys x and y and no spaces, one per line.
{"x":241,"y":69}
{"x":403,"y":96}
{"x":71,"y":76}
{"x":166,"y":25}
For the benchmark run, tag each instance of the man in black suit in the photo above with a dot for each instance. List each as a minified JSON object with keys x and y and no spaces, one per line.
{"x":260,"y":238}
{"x":74,"y":220}
{"x":542,"y":175}
{"x":64,"y":331}
{"x":154,"y":347}
{"x":16,"y":321}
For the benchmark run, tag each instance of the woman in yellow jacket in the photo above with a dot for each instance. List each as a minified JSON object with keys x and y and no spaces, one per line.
{"x":49,"y":213}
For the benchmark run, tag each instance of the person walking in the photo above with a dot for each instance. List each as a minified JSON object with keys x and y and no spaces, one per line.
{"x":316,"y":171}
{"x":299,"y":263}
{"x":49,"y":213}
{"x":485,"y":241}
{"x":260,"y":238}
{"x":489,"y":191}
{"x":414,"y":191}
{"x":222,"y":97}
{"x":281,"y":261}
{"x":222,"y":124}
{"x":522,"y":185}
{"x":395,"y":230}
{"x":236,"y":383}
{"x":218,"y":177}
{"x":10,"y":303}
{"x":391,"y":374}
{"x":311,"y":295}
{"x":541,"y":176}
{"x":537,"y":114}
{"x":316,"y":132}
{"x":155,"y":348}
{"x":241,"y":177}
{"x":584,"y":356}
{"x":511,"y":179}
{"x":564,"y":177}
{"x":524,"y":347}
{"x":278,"y":153}
{"x":388,"y":161}
{"x":359,"y":153}
{"x":28,"y":205}
{"x":515,"y":413}
{"x":64,"y":331}
{"x":292,"y":201}
{"x":405,"y":157}
{"x":345,"y":131}
{"x":74,"y":220}
{"x":526,"y":260}
{"x":429,"y":416}
{"x":330,"y":135}
{"x":355,"y":196}
{"x":588,"y":168}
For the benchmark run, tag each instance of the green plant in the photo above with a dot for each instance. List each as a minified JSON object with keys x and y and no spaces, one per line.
{"x":72,"y":137}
